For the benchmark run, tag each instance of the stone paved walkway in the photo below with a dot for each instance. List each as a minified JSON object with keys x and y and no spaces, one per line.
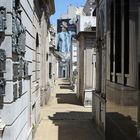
{"x":64,"y":118}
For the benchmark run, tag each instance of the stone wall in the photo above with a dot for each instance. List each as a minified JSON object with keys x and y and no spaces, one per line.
{"x":23,"y":66}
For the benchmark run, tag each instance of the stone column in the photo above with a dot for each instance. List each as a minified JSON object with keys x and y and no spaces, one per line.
{"x":86,"y":42}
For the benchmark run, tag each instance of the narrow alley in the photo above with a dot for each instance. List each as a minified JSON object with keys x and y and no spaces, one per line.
{"x":69,"y":69}
{"x":64,"y":118}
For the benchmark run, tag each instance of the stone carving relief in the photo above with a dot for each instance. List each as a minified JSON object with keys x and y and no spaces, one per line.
{"x":2,"y":70}
{"x":18,"y":69}
{"x":2,"y":52}
{"x":87,"y":26}
{"x":2,"y":20}
{"x":26,"y":69}
{"x":2,"y":60}
{"x":15,"y":93}
{"x":2,"y":86}
{"x":20,"y":87}
{"x":20,"y":66}
{"x":15,"y":70}
{"x":19,"y":32}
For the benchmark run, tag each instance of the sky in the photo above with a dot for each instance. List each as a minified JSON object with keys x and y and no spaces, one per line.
{"x":61,"y":8}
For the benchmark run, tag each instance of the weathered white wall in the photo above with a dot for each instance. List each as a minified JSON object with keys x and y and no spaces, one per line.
{"x":23,"y":113}
{"x":16,"y":113}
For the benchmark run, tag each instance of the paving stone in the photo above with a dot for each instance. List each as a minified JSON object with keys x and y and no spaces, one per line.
{"x":65,"y":118}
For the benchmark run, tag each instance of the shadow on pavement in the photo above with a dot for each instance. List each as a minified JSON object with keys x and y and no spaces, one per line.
{"x":72,"y":115}
{"x":124,"y":127}
{"x":66,"y":87}
{"x":75,"y":126}
{"x":69,"y":98}
{"x":64,"y":84}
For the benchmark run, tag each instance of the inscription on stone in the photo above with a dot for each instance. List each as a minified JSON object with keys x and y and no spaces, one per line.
{"x":21,"y":42}
{"x":20,"y":88}
{"x":19,"y":33}
{"x":18,"y":68}
{"x":15,"y":94}
{"x":2,"y":60}
{"x":2,"y":19}
{"x":2,"y":86}
{"x":89,"y":42}
{"x":15,"y":70}
{"x":26,"y":69}
{"x":21,"y":67}
{"x":2,"y":70}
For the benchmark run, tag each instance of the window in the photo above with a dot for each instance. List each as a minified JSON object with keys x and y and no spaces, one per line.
{"x":126,"y":37}
{"x":112,"y":37}
{"x":119,"y":41}
{"x":118,"y":44}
